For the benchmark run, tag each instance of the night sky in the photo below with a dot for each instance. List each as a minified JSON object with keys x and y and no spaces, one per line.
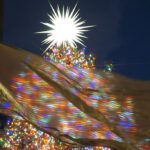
{"x":121,"y":35}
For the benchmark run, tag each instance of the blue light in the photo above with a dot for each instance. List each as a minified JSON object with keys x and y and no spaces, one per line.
{"x":79,"y":127}
{"x":126,"y":124}
{"x":10,"y":132}
{"x":6,"y":105}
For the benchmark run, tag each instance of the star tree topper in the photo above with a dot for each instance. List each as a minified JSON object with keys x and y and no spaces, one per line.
{"x":65,"y":28}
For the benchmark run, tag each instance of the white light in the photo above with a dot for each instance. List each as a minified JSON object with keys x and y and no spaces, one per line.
{"x":65,"y":28}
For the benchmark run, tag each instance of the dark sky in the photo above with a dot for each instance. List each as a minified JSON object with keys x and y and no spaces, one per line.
{"x":121,"y":35}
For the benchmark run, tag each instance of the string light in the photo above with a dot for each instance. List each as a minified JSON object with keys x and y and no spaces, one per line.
{"x":70,"y":57}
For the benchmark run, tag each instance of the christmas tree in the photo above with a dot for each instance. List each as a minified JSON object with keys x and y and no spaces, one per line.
{"x":20,"y":134}
{"x":51,"y":99}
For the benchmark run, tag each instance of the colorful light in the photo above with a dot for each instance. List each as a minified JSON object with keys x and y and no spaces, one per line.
{"x":70,"y":57}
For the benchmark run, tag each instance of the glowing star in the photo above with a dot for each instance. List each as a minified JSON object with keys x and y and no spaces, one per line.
{"x":65,"y":28}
